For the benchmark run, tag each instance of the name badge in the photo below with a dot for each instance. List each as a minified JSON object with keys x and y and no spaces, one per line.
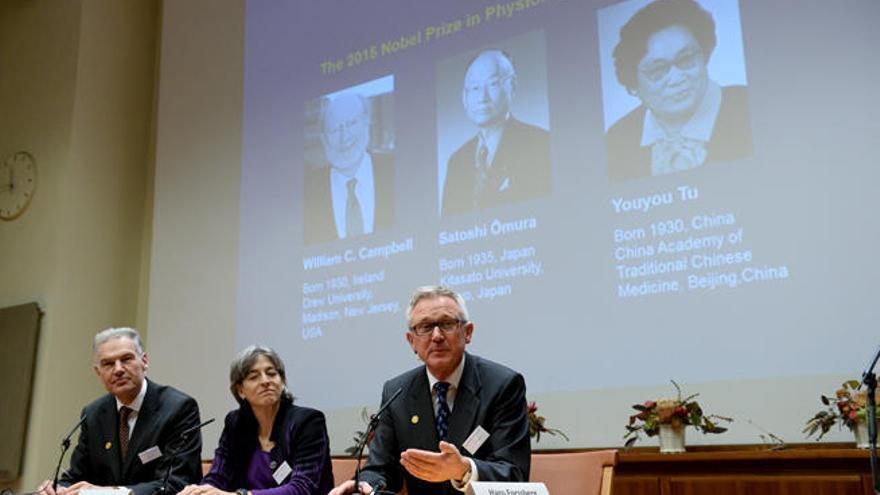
{"x":283,"y":470}
{"x":475,"y":440}
{"x":151,"y":454}
{"x":499,"y":488}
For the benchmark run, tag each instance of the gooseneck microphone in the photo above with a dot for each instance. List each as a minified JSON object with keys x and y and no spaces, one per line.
{"x":374,"y":421}
{"x":172,"y":455}
{"x":869,"y":380}
{"x":65,"y":444}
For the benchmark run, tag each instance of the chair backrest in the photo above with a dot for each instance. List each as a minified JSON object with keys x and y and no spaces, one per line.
{"x":581,"y":473}
{"x":343,"y":469}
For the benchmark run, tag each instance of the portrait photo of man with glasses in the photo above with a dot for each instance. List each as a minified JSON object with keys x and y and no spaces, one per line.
{"x":507,"y":159}
{"x":348,"y":189}
{"x":684,"y":118}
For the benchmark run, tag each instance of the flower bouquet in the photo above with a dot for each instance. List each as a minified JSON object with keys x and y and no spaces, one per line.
{"x":537,"y":426}
{"x":847,"y":408}
{"x":672,"y":414}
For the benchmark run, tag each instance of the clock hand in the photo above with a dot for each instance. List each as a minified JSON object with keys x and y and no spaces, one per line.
{"x":9,"y":185}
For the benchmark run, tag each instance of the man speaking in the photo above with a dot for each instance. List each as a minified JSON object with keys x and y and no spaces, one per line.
{"x":460,"y":418}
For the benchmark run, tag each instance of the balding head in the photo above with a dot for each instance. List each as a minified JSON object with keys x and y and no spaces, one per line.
{"x":345,"y":131}
{"x":489,"y":87}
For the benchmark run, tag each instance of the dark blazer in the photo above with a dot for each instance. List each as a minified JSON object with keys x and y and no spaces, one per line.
{"x":520,"y":170}
{"x":300,"y":436}
{"x":489,"y":395}
{"x":164,"y":414}
{"x":731,"y":137}
{"x":319,"y":225}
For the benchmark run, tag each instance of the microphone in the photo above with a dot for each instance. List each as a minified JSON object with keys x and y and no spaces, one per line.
{"x":65,"y":444}
{"x":869,"y":380}
{"x":185,"y":433}
{"x":870,"y":369}
{"x":374,"y":421}
{"x":173,"y":452}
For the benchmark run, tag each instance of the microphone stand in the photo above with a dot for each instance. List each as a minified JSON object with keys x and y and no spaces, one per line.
{"x":374,"y":421}
{"x":65,"y":445}
{"x":869,"y":379}
{"x":173,"y":454}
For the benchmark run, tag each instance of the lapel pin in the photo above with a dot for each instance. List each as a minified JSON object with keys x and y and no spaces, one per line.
{"x":107,"y":446}
{"x":414,"y":419}
{"x":273,"y":465}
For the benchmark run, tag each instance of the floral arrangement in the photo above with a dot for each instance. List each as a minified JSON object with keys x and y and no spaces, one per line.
{"x":846,"y":408}
{"x":537,"y":424}
{"x":678,"y":412}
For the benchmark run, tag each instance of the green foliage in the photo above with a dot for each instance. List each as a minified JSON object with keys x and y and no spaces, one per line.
{"x":845,"y":409}
{"x":679,"y":412}
{"x":537,"y":426}
{"x":359,"y":435}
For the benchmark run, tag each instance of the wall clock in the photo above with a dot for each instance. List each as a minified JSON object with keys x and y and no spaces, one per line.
{"x":18,"y":181}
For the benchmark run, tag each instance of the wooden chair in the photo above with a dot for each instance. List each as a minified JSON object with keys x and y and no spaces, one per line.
{"x":575,"y":473}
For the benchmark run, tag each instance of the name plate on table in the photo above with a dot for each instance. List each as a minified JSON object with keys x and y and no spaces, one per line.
{"x":508,"y":488}
{"x":105,"y":491}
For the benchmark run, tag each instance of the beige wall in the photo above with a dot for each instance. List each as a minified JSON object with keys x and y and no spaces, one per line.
{"x":195,"y":238}
{"x":76,"y":90}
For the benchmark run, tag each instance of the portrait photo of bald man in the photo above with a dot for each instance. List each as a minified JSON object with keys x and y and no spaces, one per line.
{"x":493,"y":142}
{"x":348,"y":190}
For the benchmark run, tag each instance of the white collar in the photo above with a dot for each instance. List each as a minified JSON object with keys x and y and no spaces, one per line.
{"x":453,"y":379}
{"x":364,"y":190}
{"x":137,"y":402}
{"x":699,"y":127}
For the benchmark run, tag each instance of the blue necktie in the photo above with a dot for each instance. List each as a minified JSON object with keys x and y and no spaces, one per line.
{"x":442,"y":410}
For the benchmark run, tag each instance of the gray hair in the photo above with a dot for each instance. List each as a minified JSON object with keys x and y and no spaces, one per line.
{"x":433,"y":292}
{"x":115,"y":333}
{"x":243,"y":363}
{"x":501,"y":57}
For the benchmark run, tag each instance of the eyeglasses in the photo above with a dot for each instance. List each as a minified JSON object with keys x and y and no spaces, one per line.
{"x":492,"y":85}
{"x":659,"y":69}
{"x":348,"y":126}
{"x":427,"y":327}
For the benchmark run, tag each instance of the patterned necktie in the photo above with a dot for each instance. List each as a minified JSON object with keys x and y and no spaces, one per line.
{"x":482,"y":172}
{"x":442,"y":410}
{"x":124,"y":413}
{"x":354,"y":220}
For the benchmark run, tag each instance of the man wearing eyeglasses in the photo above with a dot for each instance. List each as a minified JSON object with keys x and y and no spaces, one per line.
{"x":508,"y":160}
{"x":355,"y":196}
{"x":686,"y":120}
{"x":429,"y":437}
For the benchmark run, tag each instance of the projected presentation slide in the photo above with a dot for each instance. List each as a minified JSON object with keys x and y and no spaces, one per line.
{"x":605,"y":182}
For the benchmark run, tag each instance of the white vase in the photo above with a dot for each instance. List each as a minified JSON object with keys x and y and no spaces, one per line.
{"x":671,"y":439}
{"x":861,"y":433}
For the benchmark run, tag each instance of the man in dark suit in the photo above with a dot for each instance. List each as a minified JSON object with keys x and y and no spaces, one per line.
{"x":508,"y":160}
{"x":128,"y":435}
{"x":423,"y":437}
{"x":355,"y":195}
